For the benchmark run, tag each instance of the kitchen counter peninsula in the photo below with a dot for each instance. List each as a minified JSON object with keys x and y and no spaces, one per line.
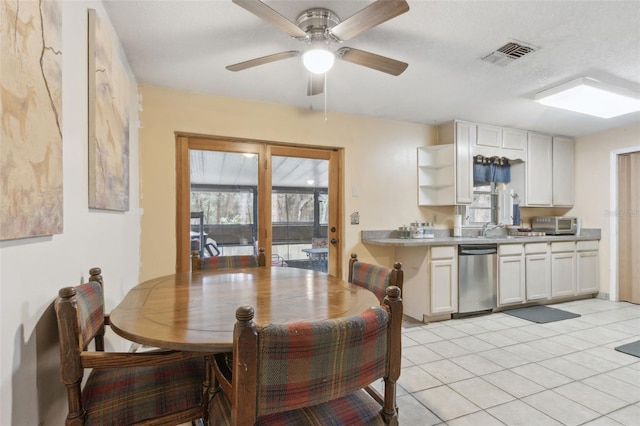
{"x":443,"y":238}
{"x":527,"y":269}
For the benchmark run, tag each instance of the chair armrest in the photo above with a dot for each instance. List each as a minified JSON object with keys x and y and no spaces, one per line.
{"x":134,"y":359}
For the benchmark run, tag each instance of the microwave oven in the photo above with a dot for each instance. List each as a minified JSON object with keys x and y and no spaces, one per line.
{"x":555,"y":225}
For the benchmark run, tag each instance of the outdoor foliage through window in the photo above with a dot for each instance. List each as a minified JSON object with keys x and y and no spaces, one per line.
{"x":222,"y":208}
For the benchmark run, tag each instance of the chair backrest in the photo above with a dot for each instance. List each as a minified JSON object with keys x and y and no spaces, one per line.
{"x":375,"y":277}
{"x":81,"y":319}
{"x":301,"y":364}
{"x":228,"y":262}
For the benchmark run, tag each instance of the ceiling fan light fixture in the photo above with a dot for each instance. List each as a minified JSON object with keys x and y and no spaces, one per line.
{"x":318,"y":60}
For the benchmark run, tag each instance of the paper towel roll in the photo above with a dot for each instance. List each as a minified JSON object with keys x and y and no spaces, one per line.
{"x":457,"y":225}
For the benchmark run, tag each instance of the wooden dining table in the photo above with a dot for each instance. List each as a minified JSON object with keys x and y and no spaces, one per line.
{"x":196,"y":311}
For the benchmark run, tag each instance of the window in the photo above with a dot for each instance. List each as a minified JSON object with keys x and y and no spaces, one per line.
{"x":484,"y":207}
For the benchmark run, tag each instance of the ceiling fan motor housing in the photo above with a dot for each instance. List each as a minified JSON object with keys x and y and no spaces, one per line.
{"x":316,"y":23}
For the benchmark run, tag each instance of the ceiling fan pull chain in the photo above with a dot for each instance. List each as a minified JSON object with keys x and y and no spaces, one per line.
{"x":325,"y":97}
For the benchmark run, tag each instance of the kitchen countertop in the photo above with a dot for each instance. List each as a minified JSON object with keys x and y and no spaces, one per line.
{"x":443,"y":238}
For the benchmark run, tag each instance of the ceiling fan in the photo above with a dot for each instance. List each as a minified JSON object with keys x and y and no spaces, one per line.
{"x":318,"y":28}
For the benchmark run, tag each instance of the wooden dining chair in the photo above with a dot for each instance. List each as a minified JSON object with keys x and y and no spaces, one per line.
{"x":375,"y":278}
{"x":123,"y":388}
{"x":312,"y":372}
{"x":227,"y":262}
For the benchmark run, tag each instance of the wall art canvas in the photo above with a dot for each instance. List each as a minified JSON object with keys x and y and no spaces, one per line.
{"x":108,"y":118}
{"x":31,"y":194}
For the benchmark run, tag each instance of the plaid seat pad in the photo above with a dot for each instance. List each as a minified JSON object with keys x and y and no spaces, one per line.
{"x":123,"y":396}
{"x":229,"y":262}
{"x":303,"y":364}
{"x":354,"y":409}
{"x":372,"y":277}
{"x":90,"y":311}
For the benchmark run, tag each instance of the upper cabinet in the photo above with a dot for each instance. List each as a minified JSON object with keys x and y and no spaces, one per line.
{"x":539,"y":169}
{"x":458,"y":136}
{"x":549,"y":171}
{"x":541,"y":165}
{"x":563,"y":169}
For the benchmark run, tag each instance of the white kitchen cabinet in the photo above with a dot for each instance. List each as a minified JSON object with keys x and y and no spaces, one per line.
{"x":539,"y":169}
{"x":511,"y":274}
{"x":563,"y":171}
{"x":430,"y":286}
{"x":563,"y":269}
{"x":444,"y":280}
{"x":436,"y":175}
{"x":514,"y":139}
{"x":537,"y":271}
{"x":462,"y":135}
{"x":504,"y":139}
{"x":489,"y":136}
{"x":588,"y":272}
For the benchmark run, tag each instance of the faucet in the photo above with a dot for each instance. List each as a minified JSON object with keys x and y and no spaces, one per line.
{"x":487,"y":227}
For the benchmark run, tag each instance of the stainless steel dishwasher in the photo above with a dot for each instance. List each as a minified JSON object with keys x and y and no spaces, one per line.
{"x":477,"y":278}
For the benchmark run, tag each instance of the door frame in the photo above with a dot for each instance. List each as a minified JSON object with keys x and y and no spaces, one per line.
{"x":265,"y":150}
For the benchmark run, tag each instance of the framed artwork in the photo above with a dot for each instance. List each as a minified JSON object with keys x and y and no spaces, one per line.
{"x":108,"y":118}
{"x":31,"y":203}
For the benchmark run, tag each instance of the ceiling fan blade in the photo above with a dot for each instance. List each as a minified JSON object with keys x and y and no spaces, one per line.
{"x":316,"y":84}
{"x":263,"y":60}
{"x":265,"y":12}
{"x":372,"y":15}
{"x":371,"y":60}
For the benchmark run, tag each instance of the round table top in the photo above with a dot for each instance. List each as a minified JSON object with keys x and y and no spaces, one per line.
{"x":196,"y":311}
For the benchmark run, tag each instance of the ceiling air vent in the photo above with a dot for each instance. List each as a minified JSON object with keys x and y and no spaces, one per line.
{"x":508,"y":53}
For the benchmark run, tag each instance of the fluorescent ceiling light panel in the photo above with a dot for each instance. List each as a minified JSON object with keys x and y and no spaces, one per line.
{"x":589,"y":96}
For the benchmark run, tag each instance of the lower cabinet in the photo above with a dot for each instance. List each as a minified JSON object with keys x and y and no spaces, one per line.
{"x":511,"y":274}
{"x":430,"y":286}
{"x":588,"y":267}
{"x":563,"y":269}
{"x":444,"y":280}
{"x":538,"y":271}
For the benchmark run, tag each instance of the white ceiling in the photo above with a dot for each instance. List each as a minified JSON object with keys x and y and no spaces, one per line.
{"x":186,"y":45}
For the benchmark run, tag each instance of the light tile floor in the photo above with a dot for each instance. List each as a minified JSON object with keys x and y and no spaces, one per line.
{"x":498,"y":369}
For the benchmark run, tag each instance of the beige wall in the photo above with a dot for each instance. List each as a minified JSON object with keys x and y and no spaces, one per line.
{"x":593,"y":178}
{"x":380,"y":160}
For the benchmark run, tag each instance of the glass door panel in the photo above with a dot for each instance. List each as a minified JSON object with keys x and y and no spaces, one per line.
{"x":224,"y":191}
{"x":299,"y":212}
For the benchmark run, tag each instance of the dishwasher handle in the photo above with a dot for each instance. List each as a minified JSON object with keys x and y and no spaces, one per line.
{"x":476,"y":250}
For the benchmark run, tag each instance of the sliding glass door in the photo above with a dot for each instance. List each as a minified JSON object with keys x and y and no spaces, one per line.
{"x":234,"y":197}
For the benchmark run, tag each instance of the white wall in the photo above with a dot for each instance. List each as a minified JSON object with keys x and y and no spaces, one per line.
{"x":33,"y":270}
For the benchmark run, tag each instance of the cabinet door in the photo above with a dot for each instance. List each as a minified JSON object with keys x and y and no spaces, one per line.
{"x":539,"y":170}
{"x":465,"y":136}
{"x":511,"y":288}
{"x":538,"y":276}
{"x":514,"y":139}
{"x":444,"y":286}
{"x":563,"y":158}
{"x":563,"y":274}
{"x":489,"y":136}
{"x":588,"y":272}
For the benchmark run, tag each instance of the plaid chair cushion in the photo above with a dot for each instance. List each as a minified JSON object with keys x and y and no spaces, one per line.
{"x":120,"y":400}
{"x":372,"y":277}
{"x":90,"y":311}
{"x":357,"y":408}
{"x":304,"y":364}
{"x":229,"y":262}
